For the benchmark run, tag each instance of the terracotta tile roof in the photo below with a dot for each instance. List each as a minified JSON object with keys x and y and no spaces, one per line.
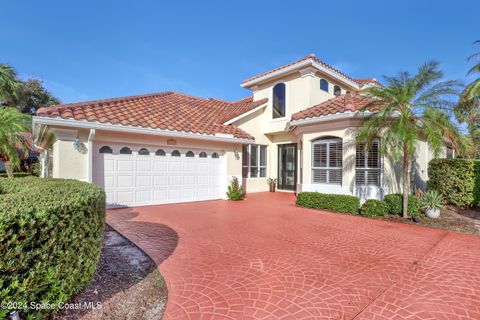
{"x":364,"y":81}
{"x":311,"y":57}
{"x":166,"y":111}
{"x":343,"y":103}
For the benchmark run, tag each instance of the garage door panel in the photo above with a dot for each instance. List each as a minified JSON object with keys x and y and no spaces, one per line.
{"x":125,"y":165}
{"x":125,"y":181}
{"x":132,"y":179}
{"x":144,"y":165}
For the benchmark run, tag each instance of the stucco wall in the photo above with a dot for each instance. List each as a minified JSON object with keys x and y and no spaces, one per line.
{"x":69,"y":161}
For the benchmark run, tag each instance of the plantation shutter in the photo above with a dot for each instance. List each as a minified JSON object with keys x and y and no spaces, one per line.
{"x":367,"y":164}
{"x":327,"y":161}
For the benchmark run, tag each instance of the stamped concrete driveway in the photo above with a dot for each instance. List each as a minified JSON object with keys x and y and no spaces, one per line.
{"x":264,"y":258}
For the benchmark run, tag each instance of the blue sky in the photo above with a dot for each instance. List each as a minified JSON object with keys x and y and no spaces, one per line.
{"x":86,"y":50}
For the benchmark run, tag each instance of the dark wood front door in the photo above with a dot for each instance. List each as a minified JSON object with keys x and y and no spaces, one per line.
{"x":287,"y":166}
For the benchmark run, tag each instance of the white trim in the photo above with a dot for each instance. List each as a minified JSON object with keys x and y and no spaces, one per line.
{"x":91,"y":135}
{"x":301,"y":65}
{"x":132,"y":129}
{"x":245,"y":114}
{"x":330,"y":117}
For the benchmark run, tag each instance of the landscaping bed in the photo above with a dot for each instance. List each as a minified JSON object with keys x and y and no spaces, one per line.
{"x":126,"y":285}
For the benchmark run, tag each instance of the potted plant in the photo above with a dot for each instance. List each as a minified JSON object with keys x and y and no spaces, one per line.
{"x":272,"y":183}
{"x":432,"y":202}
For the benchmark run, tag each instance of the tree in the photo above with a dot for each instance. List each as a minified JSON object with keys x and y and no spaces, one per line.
{"x":12,"y":124}
{"x":411,"y":108}
{"x":468,"y":108}
{"x":27,"y":96}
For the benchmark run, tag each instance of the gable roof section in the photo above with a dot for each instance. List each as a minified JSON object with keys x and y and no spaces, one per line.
{"x":341,"y":104}
{"x":362,"y":82}
{"x":170,"y":111}
{"x":310,"y":60}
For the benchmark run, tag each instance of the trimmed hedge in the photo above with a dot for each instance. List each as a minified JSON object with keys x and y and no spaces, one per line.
{"x":394,"y":203}
{"x":51,"y":234}
{"x":457,"y":180}
{"x":372,"y":208}
{"x":17,"y":175}
{"x":333,"y":202}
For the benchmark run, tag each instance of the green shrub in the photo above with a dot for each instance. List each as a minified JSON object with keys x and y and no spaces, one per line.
{"x":371,"y":208}
{"x":235,"y":191}
{"x":394,"y":203}
{"x":16,"y":175}
{"x":457,"y":180}
{"x":51,"y":234}
{"x":333,"y":202}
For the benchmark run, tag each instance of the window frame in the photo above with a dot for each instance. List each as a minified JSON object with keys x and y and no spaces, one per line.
{"x":125,"y":148}
{"x":102,"y":149}
{"x":327,"y":141}
{"x":335,"y":87}
{"x":258,"y":166}
{"x":366,"y":168}
{"x":284,"y":103}
{"x":328,"y":85}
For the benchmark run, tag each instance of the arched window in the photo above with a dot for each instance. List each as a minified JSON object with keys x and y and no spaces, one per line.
{"x":143,"y":152}
{"x":190,"y":154}
{"x":175,"y":153}
{"x":105,"y":149}
{"x":327,"y":161}
{"x":324,"y":85}
{"x":278,"y":104}
{"x":160,"y":152}
{"x":202,"y":154}
{"x":125,"y":150}
{"x":215,"y":155}
{"x":337,"y":91}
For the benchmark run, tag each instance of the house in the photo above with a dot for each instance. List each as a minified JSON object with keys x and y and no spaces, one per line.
{"x":298,"y":125}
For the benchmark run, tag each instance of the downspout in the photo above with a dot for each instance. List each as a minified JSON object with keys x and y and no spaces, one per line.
{"x":90,"y":155}
{"x":43,"y":173}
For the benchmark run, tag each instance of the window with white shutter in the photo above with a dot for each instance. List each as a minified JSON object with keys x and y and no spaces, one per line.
{"x":327,"y":161}
{"x":367,"y":164}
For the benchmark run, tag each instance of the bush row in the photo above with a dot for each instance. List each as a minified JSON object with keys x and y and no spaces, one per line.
{"x":51,"y":234}
{"x":351,"y":204}
{"x":457,"y":180}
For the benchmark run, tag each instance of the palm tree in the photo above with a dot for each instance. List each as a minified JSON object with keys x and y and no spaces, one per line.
{"x":468,"y":108}
{"x":9,"y":86}
{"x":411,"y":108}
{"x":12,"y":124}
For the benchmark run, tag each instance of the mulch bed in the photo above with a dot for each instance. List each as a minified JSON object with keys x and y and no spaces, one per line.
{"x":463,"y":220}
{"x":126,"y":285}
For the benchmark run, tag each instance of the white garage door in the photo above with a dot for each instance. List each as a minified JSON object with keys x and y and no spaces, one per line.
{"x":137,"y":175}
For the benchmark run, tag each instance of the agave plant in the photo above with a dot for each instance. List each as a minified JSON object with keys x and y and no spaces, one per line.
{"x":432,"y":199}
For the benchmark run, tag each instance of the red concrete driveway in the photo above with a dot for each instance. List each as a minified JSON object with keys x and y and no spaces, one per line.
{"x":264,"y":258}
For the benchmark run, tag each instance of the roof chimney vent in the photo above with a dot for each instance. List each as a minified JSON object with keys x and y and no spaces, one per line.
{"x":348,"y":102}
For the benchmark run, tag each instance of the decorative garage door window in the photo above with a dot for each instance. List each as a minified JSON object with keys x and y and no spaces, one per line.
{"x":160,"y":152}
{"x":215,"y":155}
{"x":254,"y":161}
{"x":175,"y":153}
{"x":125,"y":150}
{"x":367,"y":165}
{"x":143,"y":152}
{"x":202,"y":154}
{"x":327,"y":161}
{"x":105,"y":149}
{"x":190,"y":154}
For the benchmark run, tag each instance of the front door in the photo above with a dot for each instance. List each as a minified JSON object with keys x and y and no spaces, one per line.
{"x":287,"y":166}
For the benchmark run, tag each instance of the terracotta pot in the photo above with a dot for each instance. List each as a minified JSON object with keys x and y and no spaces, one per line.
{"x":272,"y":187}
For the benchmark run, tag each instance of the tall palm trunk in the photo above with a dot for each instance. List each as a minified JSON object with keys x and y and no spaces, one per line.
{"x":406,"y":181}
{"x":9,"y":169}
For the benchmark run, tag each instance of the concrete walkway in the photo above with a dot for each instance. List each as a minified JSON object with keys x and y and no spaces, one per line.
{"x":265,"y":258}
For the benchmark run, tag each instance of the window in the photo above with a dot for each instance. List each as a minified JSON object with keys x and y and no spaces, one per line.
{"x":327,"y":161}
{"x":125,"y":150}
{"x":254,"y":161}
{"x":143,"y":152}
{"x":337,"y":91}
{"x":105,"y":149}
{"x":190,"y":154}
{"x":278,"y":104}
{"x":324,"y":85}
{"x":160,"y":152}
{"x":202,"y":154}
{"x":367,"y":165}
{"x":215,"y":155}
{"x":175,"y":153}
